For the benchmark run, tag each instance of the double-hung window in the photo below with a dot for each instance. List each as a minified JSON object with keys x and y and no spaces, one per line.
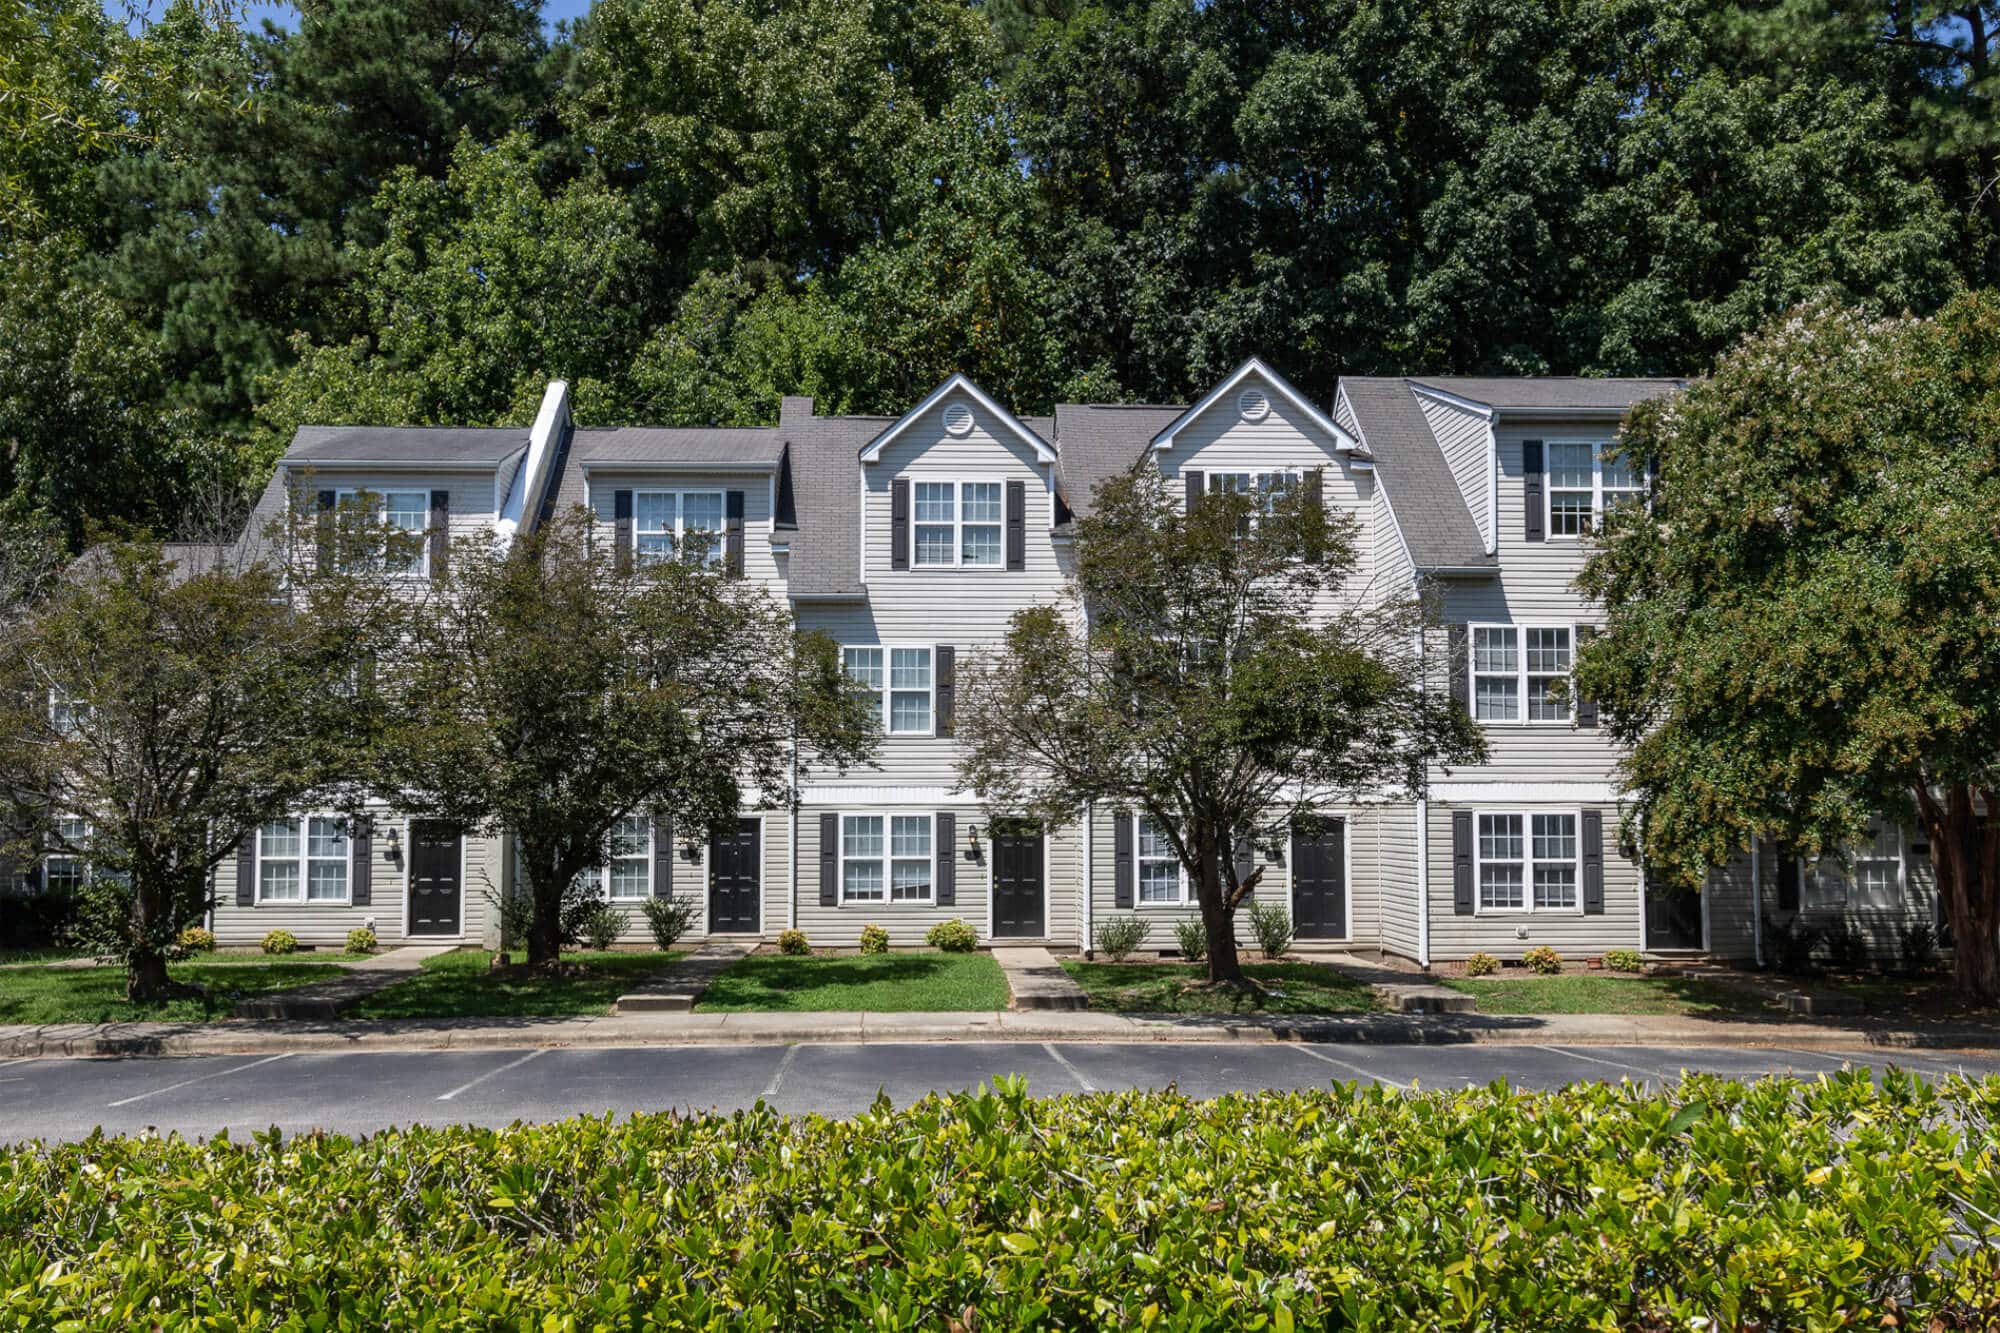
{"x":885,"y":857}
{"x":901,"y":680}
{"x":1161,"y":881}
{"x":957,"y":523}
{"x":1516,"y":670}
{"x":1527,"y":862}
{"x":687,"y":523}
{"x":1264,"y":488}
{"x":403,"y":517}
{"x":66,"y":872}
{"x":303,"y":860}
{"x":1585,"y":484}
{"x":1871,"y":878}
{"x":630,"y":867}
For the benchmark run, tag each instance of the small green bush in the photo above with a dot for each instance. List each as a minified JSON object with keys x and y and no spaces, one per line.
{"x":952,"y":936}
{"x":794,"y":943}
{"x":1542,"y":960}
{"x":1119,"y":936}
{"x":601,"y":927}
{"x":1271,"y":925}
{"x":669,"y":919}
{"x":194,"y":940}
{"x":1789,"y":945}
{"x":1623,"y":960}
{"x":1846,"y":946}
{"x":874,"y":939}
{"x":1920,"y":948}
{"x":280,"y":941}
{"x":1481,"y":964}
{"x":1192,"y":937}
{"x":361,"y":940}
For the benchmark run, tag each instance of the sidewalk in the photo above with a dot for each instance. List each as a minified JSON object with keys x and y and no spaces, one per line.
{"x":739,"y":1029}
{"x":327,"y":999}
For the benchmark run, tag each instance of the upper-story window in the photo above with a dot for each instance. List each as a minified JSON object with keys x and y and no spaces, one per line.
{"x":957,"y":523}
{"x":66,"y":872}
{"x":1585,"y":483}
{"x":1515,"y":670}
{"x":690,"y":522}
{"x":902,"y":682}
{"x":404,"y":516}
{"x":1263,"y":487}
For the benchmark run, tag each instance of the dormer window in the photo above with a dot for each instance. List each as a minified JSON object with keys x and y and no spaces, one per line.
{"x":688,"y":522}
{"x":1584,"y":484}
{"x":403,"y":516}
{"x":957,"y":523}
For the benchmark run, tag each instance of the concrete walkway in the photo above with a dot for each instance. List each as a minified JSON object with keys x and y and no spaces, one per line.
{"x":1399,"y":991}
{"x":1036,"y":980}
{"x":675,"y":990}
{"x":327,"y":999}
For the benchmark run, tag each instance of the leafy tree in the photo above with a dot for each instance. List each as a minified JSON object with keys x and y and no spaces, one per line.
{"x":160,"y":704}
{"x":1799,"y":634}
{"x":1211,"y":674}
{"x":550,"y":690}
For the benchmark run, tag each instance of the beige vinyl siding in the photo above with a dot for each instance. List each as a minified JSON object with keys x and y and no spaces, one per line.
{"x":1731,"y":906}
{"x":1064,"y":886}
{"x":840,"y":926}
{"x":1396,"y":877}
{"x":1508,"y":935}
{"x":1882,"y":927}
{"x":1463,"y":438}
{"x":760,"y":566}
{"x":471,"y":493}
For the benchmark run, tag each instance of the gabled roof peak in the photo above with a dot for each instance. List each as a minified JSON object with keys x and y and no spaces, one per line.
{"x":960,"y":383}
{"x":1255,"y":366}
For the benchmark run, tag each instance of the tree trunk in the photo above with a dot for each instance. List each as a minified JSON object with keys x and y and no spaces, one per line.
{"x":1217,"y":920}
{"x":146,"y":979}
{"x":545,"y":935}
{"x":1966,"y":861}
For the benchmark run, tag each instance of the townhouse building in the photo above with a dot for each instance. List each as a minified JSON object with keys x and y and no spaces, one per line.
{"x":912,"y":540}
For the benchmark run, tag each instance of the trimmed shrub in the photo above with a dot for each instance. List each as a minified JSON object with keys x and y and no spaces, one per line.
{"x":1481,"y":964}
{"x":194,"y":940}
{"x":1118,"y":936}
{"x":874,"y":939}
{"x":1271,"y":925}
{"x":1920,"y":948}
{"x":600,"y":927}
{"x":1790,"y":945}
{"x":952,"y":936}
{"x":1829,"y":1204}
{"x":1846,"y":946}
{"x":361,"y":940}
{"x":280,"y":941}
{"x":1543,"y":960}
{"x":1623,"y":960}
{"x":41,"y":919}
{"x":794,"y":943}
{"x":669,"y":919}
{"x":1192,"y":937}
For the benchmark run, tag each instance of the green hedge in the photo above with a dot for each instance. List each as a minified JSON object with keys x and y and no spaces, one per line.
{"x":1776,"y":1205}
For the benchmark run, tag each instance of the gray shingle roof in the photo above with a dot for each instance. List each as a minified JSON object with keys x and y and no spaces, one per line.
{"x":1560,"y":393}
{"x":1100,"y":440}
{"x":723,"y":446}
{"x":1431,"y":512}
{"x":461,"y":446}
{"x":826,"y":551}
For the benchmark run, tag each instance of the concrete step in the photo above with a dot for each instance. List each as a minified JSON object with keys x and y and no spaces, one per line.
{"x":675,"y":990}
{"x":1036,"y":980}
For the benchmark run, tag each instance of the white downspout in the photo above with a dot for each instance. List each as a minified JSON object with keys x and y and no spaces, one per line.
{"x":1423,"y":881}
{"x":1089,"y":878}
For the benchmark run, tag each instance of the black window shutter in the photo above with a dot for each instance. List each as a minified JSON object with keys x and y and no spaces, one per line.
{"x":621,"y":530}
{"x":326,"y":531}
{"x":829,"y":860}
{"x":899,"y":524}
{"x":732,"y":534}
{"x":1532,"y":477}
{"x":1788,"y":881}
{"x":947,"y":863}
{"x":246,"y":870}
{"x":1586,"y":708}
{"x":1458,"y":639}
{"x":1124,"y":876}
{"x":361,"y":885}
{"x":946,"y":679}
{"x":1017,"y":525}
{"x":1246,"y":857}
{"x":663,"y":858}
{"x":1461,"y":862}
{"x":1593,"y":863}
{"x":1193,"y":480}
{"x":440,"y":533}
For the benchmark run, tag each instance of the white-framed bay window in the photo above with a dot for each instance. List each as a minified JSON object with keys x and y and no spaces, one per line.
{"x":687,"y":523}
{"x":304,"y":859}
{"x":404,"y":517}
{"x":1584,"y":483}
{"x":956,"y":524}
{"x":887,"y":858}
{"x":1528,"y":861}
{"x":1160,"y":878}
{"x":1516,"y":670}
{"x":903,"y":681}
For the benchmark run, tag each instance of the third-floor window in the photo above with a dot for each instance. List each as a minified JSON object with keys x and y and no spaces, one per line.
{"x":1585,"y":483}
{"x":687,"y":522}
{"x":956,"y":523}
{"x":403,"y":517}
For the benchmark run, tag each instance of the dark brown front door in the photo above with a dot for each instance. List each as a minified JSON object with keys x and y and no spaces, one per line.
{"x":434,"y":888}
{"x":1319,"y":880}
{"x":734,"y":884}
{"x":1017,"y":882}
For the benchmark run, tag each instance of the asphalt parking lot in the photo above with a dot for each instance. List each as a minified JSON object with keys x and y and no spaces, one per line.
{"x":361,"y":1092}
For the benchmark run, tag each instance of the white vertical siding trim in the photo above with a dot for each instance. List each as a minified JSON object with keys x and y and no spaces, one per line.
{"x":1084,"y":917}
{"x":1423,"y":882}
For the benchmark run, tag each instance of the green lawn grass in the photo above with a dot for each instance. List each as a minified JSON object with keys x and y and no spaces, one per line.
{"x":9,"y":957}
{"x":1593,"y":994}
{"x":883,"y":982}
{"x":458,"y":985}
{"x":97,"y":994}
{"x":1181,"y":988}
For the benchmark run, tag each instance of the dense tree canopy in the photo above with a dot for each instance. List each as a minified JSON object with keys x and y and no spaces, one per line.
{"x":416,"y":209}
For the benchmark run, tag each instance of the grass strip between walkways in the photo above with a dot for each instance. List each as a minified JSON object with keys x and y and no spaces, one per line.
{"x":462,"y":985}
{"x":927,"y":982}
{"x":1182,"y":988}
{"x":43,"y":995}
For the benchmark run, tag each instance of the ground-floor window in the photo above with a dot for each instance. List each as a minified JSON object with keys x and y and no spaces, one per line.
{"x":1162,"y":882}
{"x":303,"y":860}
{"x":66,"y":872}
{"x":1527,"y":862}
{"x":1872,"y":876}
{"x":885,"y":856}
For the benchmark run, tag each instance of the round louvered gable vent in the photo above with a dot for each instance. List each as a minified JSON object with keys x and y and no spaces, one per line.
{"x":1253,"y":404}
{"x":957,"y":419}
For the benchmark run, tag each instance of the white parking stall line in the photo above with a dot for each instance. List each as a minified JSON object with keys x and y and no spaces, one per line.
{"x":199,"y":1078}
{"x":19,"y":1060}
{"x":491,"y":1073}
{"x":1074,"y":1072}
{"x":778,"y":1074}
{"x":1572,"y":1054}
{"x":1354,"y":1069}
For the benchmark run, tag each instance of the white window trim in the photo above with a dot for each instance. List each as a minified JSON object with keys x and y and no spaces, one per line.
{"x":650,"y":855}
{"x":304,"y":858}
{"x":1520,"y":673}
{"x":888,"y":688}
{"x":958,"y":524}
{"x":1181,"y":904}
{"x":1598,"y":447}
{"x":1528,"y":862}
{"x":1850,"y":901}
{"x":679,"y":534}
{"x":888,"y":858}
{"x":378,"y":509}
{"x":83,"y":863}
